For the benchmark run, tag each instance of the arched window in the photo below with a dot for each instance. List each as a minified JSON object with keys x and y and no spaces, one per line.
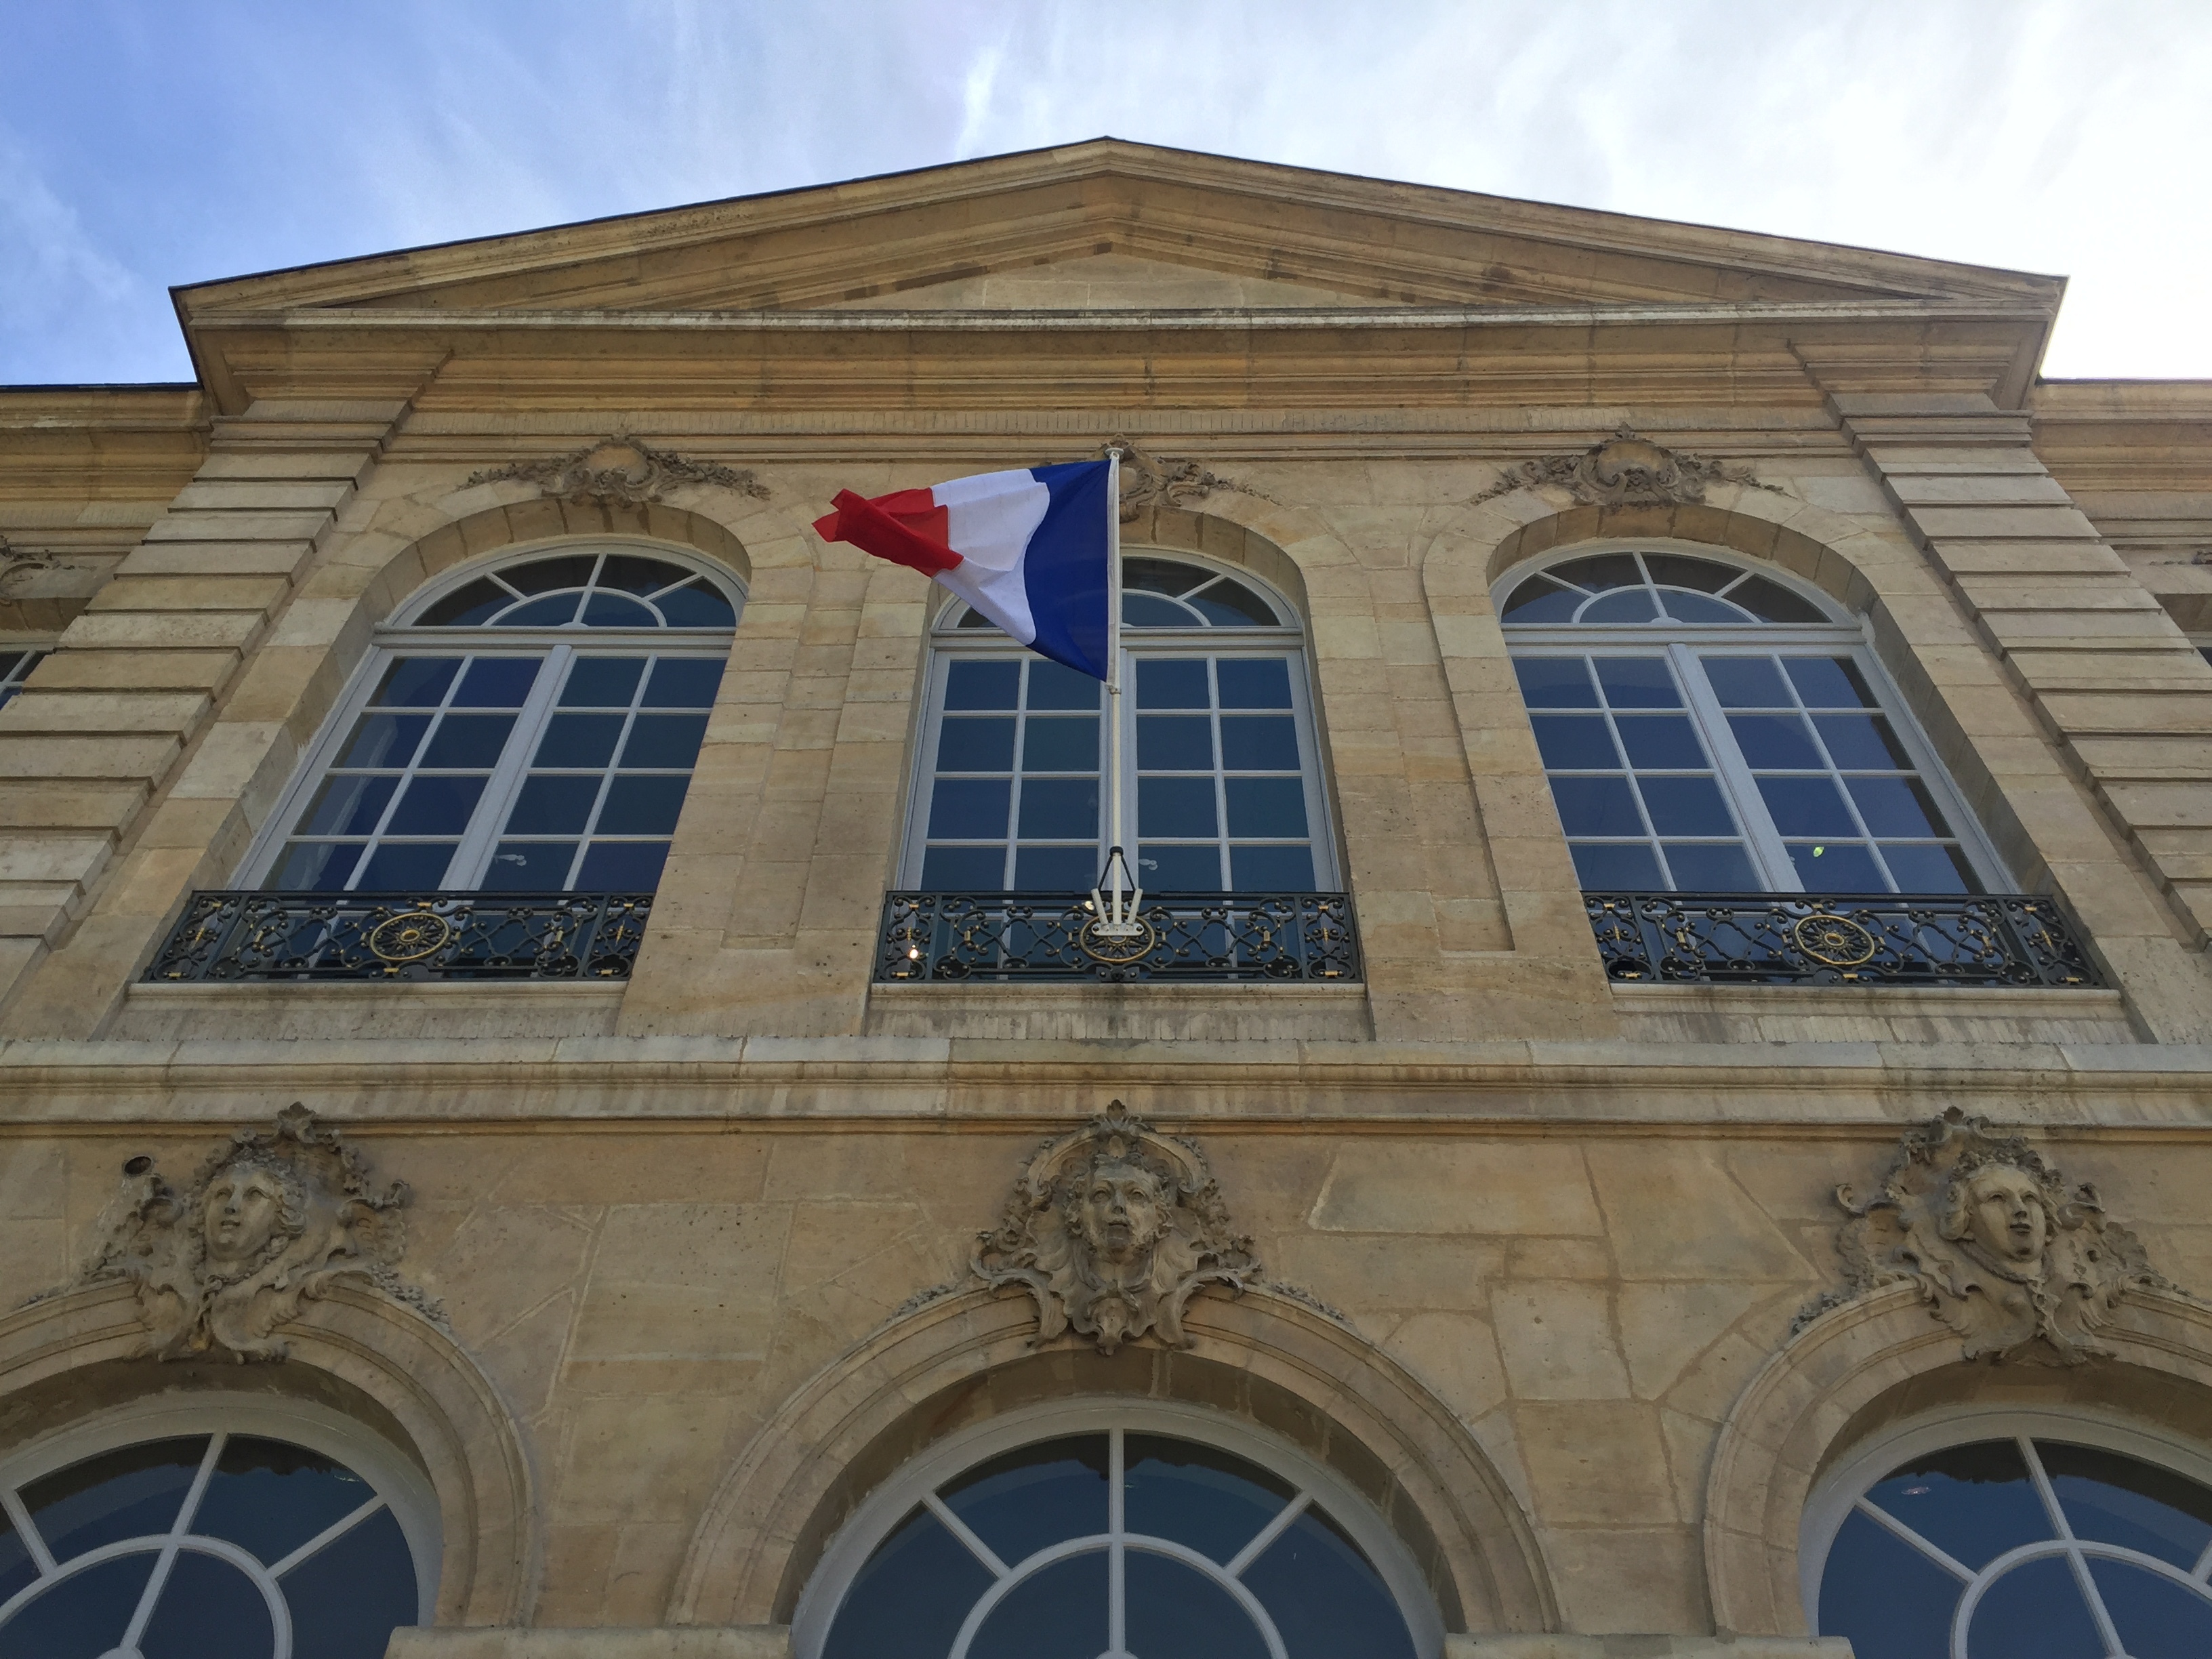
{"x":531,"y":727}
{"x":1083,"y":1530}
{"x":1707,"y":728}
{"x":254,"y":1527}
{"x":2011,"y":1533}
{"x":15,"y":665}
{"x":1227,"y":793}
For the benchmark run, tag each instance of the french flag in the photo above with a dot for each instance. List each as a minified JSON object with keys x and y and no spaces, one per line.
{"x":1031,"y":550}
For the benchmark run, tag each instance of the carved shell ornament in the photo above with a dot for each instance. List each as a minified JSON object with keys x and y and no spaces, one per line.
{"x":1111,"y":1230}
{"x":1999,"y":1248}
{"x":622,"y":471}
{"x":1624,"y":470}
{"x":269,"y":1222}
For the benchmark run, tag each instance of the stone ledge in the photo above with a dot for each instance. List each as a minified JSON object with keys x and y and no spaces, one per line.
{"x":680,"y":1641}
{"x":1800,"y":1013}
{"x":353,"y":1010}
{"x":1175,"y":1012}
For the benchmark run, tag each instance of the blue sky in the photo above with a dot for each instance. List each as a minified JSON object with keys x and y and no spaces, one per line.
{"x":148,"y":142}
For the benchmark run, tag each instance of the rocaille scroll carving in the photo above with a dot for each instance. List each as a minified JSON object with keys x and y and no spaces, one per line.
{"x":1999,"y":1248}
{"x":620,"y":470}
{"x":1150,"y":481}
{"x":268,"y":1223}
{"x":1624,"y":471}
{"x":1111,"y":1230}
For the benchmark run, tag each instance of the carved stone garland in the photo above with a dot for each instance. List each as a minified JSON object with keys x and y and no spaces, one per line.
{"x":1624,"y":471}
{"x":1150,"y":481}
{"x":271,"y":1221}
{"x":1999,"y":1249}
{"x":620,"y":470}
{"x":1111,"y":1230}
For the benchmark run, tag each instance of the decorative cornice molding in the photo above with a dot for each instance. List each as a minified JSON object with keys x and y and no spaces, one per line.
{"x":1997,"y":1247}
{"x":622,"y":470}
{"x":1624,"y":471}
{"x":269,"y":1222}
{"x":1150,"y":481}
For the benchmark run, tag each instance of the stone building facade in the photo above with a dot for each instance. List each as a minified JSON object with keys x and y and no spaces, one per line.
{"x":665,"y":1230}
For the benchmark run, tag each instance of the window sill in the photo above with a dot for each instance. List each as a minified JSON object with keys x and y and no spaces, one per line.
{"x":1856,"y":1013}
{"x":339,"y":1011}
{"x":1179,"y":1012}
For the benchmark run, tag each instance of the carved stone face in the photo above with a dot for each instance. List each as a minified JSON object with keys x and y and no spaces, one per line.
{"x":2005,"y":1213}
{"x":1122,"y":1211}
{"x":243,"y":1209}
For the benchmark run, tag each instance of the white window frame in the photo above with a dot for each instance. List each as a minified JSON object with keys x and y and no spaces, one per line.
{"x":917,"y":1481}
{"x":556,"y":647}
{"x":948,"y":642}
{"x":391,"y":1474}
{"x":1838,"y":1493}
{"x":35,"y":649}
{"x":1681,"y":643}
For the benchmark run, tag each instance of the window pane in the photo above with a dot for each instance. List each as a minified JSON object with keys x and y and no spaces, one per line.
{"x":1862,"y":743}
{"x":1253,"y":682}
{"x":1165,"y":869}
{"x":557,"y":610}
{"x":1144,"y":611}
{"x":406,"y":866}
{"x":544,"y":575}
{"x":347,"y":807}
{"x":1175,"y":806}
{"x":1681,"y":570}
{"x":1770,"y":601}
{"x":628,"y":573}
{"x":641,"y":806}
{"x":1170,"y":576}
{"x":1924,"y":869}
{"x":1177,"y":1613}
{"x":1540,"y":599}
{"x":1266,"y":806}
{"x":1622,"y":865}
{"x":2122,"y":1500}
{"x":1661,"y":742}
{"x":1175,"y":743}
{"x":1174,"y":683}
{"x":315,"y":866}
{"x":602,"y":682}
{"x":683,"y":682}
{"x":1747,"y":683}
{"x":1055,"y":869}
{"x":1327,"y":1601}
{"x":1057,"y":743}
{"x":435,"y":807}
{"x":1637,"y":682}
{"x":622,"y":867}
{"x":468,"y":740}
{"x":1631,"y":604}
{"x":965,"y":869}
{"x":86,"y":1614}
{"x":467,"y":606}
{"x":1685,"y":806}
{"x":1601,"y":571}
{"x":664,"y":740}
{"x":1019,"y":1502}
{"x":1897,"y":806}
{"x":1054,"y":685}
{"x":1232,"y":604}
{"x":417,"y":682}
{"x":617,"y":611}
{"x":696,"y":605}
{"x":2036,"y":1608}
{"x":2156,"y":1618}
{"x":553,"y":805}
{"x":1555,"y":681}
{"x":977,"y":743}
{"x":208,"y":1606}
{"x":1259,"y":742}
{"x":1270,"y":869}
{"x":346,"y":1599}
{"x":969,"y":809}
{"x":579,"y":740}
{"x":981,"y":684}
{"x":1830,"y":682}
{"x":384,"y":740}
{"x":1699,"y":608}
{"x":1886,"y":1595}
{"x":1596,"y":806}
{"x":530,"y":866}
{"x":1807,"y":806}
{"x":1776,"y":740}
{"x":1574,"y":742}
{"x":1054,"y":808}
{"x":912,"y":1594}
{"x":126,"y":1493}
{"x":1711,"y":867}
{"x":1835,"y":867}
{"x":1061,"y":1614}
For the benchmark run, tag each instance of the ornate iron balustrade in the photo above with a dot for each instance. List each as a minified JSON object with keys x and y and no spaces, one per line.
{"x":408,"y":936}
{"x":1830,"y":939}
{"x":1275,"y":937}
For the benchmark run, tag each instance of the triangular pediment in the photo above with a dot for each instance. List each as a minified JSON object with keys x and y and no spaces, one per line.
{"x":1113,"y":226}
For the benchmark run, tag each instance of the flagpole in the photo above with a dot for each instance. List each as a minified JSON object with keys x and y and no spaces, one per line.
{"x":1117,"y":916}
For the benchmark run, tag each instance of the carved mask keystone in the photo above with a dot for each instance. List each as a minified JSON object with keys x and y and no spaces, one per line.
{"x":2000,"y":1250}
{"x":1111,"y":1230}
{"x":268,"y":1223}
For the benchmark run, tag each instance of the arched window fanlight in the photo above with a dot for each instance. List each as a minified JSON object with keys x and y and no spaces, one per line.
{"x":2045,"y":1537}
{"x":1228,"y":795}
{"x":1706,"y":729}
{"x":532,"y":728}
{"x":1117,"y":1541}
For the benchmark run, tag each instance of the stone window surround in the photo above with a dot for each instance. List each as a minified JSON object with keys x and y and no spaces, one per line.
{"x":885,"y":1506}
{"x":1855,"y":632}
{"x":394,"y":1477}
{"x":1870,"y":1459}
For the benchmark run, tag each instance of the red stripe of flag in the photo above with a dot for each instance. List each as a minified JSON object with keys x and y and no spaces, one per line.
{"x":906,"y":527}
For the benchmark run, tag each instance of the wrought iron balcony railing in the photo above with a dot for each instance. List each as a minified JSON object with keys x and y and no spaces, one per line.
{"x":1838,"y":939}
{"x":405,"y":936}
{"x":1269,"y":936}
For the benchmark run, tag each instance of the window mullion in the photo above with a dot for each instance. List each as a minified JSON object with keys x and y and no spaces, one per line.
{"x":1759,"y":831}
{"x":2084,"y":1580}
{"x":473,"y":856}
{"x":1117,"y":1602}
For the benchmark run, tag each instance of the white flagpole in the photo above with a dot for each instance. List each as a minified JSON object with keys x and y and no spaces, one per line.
{"x":1117,"y":915}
